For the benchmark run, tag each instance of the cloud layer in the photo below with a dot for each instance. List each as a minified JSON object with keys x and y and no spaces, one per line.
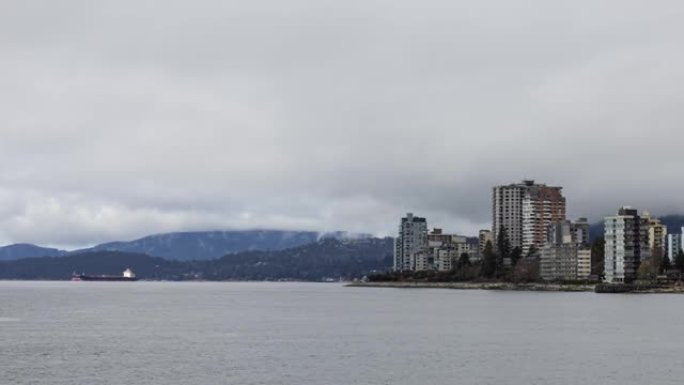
{"x":129,"y":118}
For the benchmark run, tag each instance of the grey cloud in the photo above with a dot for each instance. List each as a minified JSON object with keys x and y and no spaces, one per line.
{"x":120,"y":119}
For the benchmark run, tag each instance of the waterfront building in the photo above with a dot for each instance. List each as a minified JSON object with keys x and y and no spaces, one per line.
{"x":657,"y":235}
{"x":627,"y":245}
{"x":412,"y":239}
{"x":446,"y":249}
{"x":422,"y":261}
{"x":526,"y":210}
{"x":674,"y":244}
{"x":583,"y":263}
{"x":566,"y":254}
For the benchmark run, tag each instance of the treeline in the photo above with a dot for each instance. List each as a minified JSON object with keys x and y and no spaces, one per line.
{"x":329,"y":258}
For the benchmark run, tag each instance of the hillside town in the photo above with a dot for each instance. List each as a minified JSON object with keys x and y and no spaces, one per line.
{"x":530,"y":226}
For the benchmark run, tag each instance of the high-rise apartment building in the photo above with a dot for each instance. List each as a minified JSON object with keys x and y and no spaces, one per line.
{"x":526,"y":210}
{"x":411,"y":243}
{"x":626,"y":236}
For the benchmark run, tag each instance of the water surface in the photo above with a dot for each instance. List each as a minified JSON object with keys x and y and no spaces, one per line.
{"x":308,"y":333}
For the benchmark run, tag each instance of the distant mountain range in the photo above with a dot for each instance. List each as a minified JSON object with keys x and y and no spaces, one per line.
{"x":205,"y":245}
{"x":187,"y":246}
{"x":23,"y":250}
{"x":326,"y":258}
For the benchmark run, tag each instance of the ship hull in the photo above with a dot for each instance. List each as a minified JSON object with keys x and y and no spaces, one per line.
{"x":104,"y":278}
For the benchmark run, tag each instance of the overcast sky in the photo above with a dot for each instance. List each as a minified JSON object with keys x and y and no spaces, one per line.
{"x":120,"y":119}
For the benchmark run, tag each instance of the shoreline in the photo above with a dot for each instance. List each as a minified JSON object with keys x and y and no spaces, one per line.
{"x":478,"y":286}
{"x":507,"y":286}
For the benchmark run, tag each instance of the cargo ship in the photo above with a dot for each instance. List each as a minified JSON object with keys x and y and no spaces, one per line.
{"x":127,"y":275}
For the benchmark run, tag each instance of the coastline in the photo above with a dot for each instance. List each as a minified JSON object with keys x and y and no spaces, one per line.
{"x":478,"y":286}
{"x":507,"y":286}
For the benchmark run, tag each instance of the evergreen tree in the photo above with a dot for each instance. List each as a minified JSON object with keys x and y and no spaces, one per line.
{"x":489,"y":260}
{"x":516,"y":253}
{"x":598,"y":256}
{"x":679,"y":261}
{"x":665,"y":263}
{"x":464,"y":260}
{"x":503,"y":245}
{"x":532,"y":252}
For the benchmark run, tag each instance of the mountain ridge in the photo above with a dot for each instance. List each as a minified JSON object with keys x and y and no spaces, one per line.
{"x":325,"y":258}
{"x":190,"y":245}
{"x":27,"y":250}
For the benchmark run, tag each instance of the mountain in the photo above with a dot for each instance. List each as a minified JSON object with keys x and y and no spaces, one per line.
{"x":674,"y":223}
{"x":331,"y":258}
{"x":327,"y":257}
{"x":595,"y":231}
{"x":95,"y":263}
{"x":203,"y":245}
{"x":25,"y":250}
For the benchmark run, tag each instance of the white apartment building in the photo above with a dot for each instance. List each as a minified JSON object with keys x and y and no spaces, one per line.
{"x":412,"y":240}
{"x":674,"y":244}
{"x":507,"y":211}
{"x":626,"y":236}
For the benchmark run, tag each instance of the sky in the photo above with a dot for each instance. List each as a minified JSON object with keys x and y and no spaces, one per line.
{"x":120,"y":119}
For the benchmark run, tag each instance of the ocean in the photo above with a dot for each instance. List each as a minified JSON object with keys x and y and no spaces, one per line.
{"x":316,"y":333}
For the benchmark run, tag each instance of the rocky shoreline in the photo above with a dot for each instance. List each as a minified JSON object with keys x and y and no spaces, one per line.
{"x":552,"y":287}
{"x":477,"y":286}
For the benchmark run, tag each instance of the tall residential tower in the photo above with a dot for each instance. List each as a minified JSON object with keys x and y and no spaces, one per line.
{"x":526,"y":210}
{"x":626,"y":246}
{"x":411,"y":242}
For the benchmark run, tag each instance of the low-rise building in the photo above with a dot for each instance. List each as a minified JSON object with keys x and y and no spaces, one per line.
{"x":566,"y":255}
{"x":445,"y":249}
{"x":422,"y":261}
{"x":583,"y":263}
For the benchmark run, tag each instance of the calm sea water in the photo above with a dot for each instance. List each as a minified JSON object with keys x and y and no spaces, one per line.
{"x":306,"y":333}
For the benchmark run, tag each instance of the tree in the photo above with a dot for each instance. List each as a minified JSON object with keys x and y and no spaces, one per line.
{"x":527,"y":270}
{"x":489,"y":260}
{"x":646,"y":270}
{"x":503,"y":245}
{"x":516,"y":253}
{"x":598,"y":256}
{"x":463,"y":260}
{"x":665,"y":263}
{"x":532,"y":252}
{"x":679,"y":261}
